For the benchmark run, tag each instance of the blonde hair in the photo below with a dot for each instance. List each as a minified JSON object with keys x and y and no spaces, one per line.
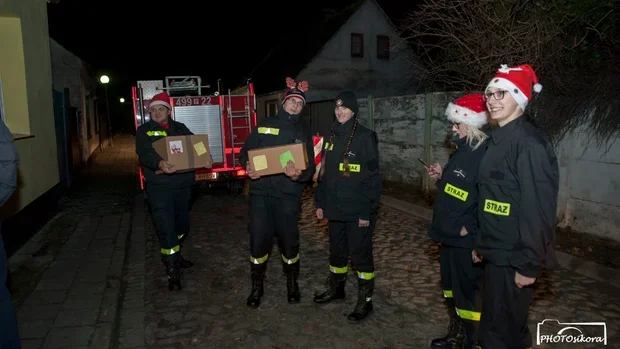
{"x":475,"y":136}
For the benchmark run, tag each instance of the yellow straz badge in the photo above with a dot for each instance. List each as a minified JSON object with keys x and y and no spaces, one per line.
{"x":496,"y":207}
{"x":456,"y":192}
{"x":352,"y":167}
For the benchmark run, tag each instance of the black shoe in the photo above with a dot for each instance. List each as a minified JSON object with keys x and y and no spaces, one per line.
{"x":364,"y":300}
{"x":292,"y":288}
{"x":334,"y":288}
{"x":258,"y":276}
{"x":184,"y":263}
{"x":174,"y":273}
{"x":456,"y":332}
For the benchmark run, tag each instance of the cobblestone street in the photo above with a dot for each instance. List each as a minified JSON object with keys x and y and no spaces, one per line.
{"x":93,"y":279}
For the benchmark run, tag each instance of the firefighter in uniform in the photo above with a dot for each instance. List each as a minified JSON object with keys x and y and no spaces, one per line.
{"x":455,"y":221}
{"x":347,"y":195}
{"x":275,"y":200}
{"x":169,"y":193}
{"x":518,"y":189}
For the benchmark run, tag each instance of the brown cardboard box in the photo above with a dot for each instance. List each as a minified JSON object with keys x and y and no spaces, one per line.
{"x":273,"y":160}
{"x":186,"y":153}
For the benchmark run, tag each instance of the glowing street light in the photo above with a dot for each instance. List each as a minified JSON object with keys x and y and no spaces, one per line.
{"x":104,"y":79}
{"x":122,"y":100}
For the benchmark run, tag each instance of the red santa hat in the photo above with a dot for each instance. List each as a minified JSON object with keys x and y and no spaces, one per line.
{"x":518,"y":81}
{"x":161,"y":99}
{"x":469,"y":109}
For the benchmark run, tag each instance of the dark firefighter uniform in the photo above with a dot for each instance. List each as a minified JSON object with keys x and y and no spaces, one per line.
{"x":347,"y":199}
{"x":456,"y":207}
{"x":169,"y":196}
{"x":275,"y":202}
{"x":518,"y":188}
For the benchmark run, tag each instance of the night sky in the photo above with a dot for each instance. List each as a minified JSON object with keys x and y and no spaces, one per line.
{"x":134,"y":40}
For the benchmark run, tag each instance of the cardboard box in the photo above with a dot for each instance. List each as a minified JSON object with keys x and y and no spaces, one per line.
{"x":186,"y":153}
{"x":273,"y":160}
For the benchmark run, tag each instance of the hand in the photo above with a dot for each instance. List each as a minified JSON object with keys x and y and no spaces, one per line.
{"x":434,"y":171}
{"x":475,"y":257}
{"x":523,"y":281}
{"x":319,"y":213}
{"x":363,"y":223}
{"x":464,"y":231}
{"x":166,"y":167}
{"x":250,"y":170}
{"x":291,"y":172}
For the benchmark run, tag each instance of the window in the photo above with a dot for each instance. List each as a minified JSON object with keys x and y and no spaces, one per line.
{"x":383,"y":47}
{"x":357,"y":45}
{"x":271,"y":107}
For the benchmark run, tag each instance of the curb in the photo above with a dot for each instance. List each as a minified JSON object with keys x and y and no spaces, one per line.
{"x":589,"y":269}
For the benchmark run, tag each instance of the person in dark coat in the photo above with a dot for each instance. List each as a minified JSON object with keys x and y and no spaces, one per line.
{"x":518,"y":190}
{"x":275,"y":200}
{"x":169,"y":193}
{"x":347,"y":194}
{"x":9,"y":158}
{"x":455,"y":221}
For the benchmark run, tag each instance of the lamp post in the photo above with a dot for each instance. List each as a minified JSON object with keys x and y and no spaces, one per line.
{"x":104,"y":79}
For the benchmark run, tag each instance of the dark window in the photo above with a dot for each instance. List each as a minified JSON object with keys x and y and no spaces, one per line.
{"x":383,"y":47}
{"x":357,"y":45}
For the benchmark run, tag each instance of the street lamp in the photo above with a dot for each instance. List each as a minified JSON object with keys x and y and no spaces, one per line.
{"x":122,"y":100}
{"x":105,"y":80}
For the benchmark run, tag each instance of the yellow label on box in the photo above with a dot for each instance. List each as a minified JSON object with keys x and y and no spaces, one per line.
{"x":200,"y":148}
{"x":260,"y":162}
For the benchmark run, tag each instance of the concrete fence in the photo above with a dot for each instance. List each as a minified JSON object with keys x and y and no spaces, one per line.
{"x":412,"y":127}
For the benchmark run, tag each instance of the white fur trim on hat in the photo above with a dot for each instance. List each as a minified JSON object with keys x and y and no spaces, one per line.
{"x":167,"y":105}
{"x":455,"y":113}
{"x":507,"y":85}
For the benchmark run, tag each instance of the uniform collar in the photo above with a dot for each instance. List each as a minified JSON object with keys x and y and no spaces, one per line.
{"x":498,"y":134}
{"x":344,"y":129}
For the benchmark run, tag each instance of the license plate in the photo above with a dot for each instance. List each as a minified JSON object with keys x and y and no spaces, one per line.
{"x":206,"y":176}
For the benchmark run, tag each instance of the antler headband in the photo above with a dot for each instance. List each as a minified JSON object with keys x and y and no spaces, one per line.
{"x":302,"y":85}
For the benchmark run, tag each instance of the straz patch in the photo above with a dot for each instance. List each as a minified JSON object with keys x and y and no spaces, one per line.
{"x":496,"y":207}
{"x":455,"y":192}
{"x":352,"y":167}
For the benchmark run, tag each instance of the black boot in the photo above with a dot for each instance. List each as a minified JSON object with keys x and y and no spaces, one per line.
{"x":258,"y":276}
{"x":456,"y":332}
{"x":174,"y":273}
{"x":292,"y":274}
{"x":184,"y":263}
{"x":364,"y":300}
{"x":334,"y":288}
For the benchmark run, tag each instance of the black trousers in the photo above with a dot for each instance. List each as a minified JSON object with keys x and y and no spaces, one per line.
{"x":505,"y":310}
{"x":170,"y":210}
{"x":463,"y":280}
{"x":349,"y":238}
{"x":9,"y":333}
{"x":269,"y":216}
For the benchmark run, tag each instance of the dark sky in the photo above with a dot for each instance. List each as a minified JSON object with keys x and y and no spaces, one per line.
{"x":141,"y":40}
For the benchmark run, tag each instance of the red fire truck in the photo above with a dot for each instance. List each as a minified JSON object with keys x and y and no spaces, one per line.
{"x":226,"y":119}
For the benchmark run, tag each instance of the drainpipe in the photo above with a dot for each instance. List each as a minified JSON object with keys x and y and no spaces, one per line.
{"x":371,"y":112}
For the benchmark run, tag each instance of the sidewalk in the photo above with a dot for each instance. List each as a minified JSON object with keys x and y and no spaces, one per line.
{"x":67,"y":278}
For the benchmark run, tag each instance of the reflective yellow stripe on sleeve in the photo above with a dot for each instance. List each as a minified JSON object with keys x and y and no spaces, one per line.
{"x":269,"y":131}
{"x":447,"y":293}
{"x":468,"y":314}
{"x":156,"y":134}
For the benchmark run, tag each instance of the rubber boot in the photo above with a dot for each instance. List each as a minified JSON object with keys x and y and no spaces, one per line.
{"x":258,"y":277}
{"x":456,"y":333}
{"x":171,"y":263}
{"x":364,"y":300}
{"x":292,"y":274}
{"x":334,"y":288}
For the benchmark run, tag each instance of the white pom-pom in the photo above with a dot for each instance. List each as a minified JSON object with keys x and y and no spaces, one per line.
{"x":537,"y":88}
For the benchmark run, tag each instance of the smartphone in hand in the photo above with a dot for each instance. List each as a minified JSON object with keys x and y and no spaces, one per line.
{"x":423,"y":163}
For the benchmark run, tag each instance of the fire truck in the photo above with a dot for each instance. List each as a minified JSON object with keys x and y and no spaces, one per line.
{"x":227,"y":120}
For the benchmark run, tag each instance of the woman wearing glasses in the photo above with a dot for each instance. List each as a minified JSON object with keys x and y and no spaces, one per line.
{"x":455,"y":221}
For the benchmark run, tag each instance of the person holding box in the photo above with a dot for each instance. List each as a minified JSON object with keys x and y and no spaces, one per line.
{"x":169,"y":193}
{"x":347,"y":195}
{"x":275,"y":200}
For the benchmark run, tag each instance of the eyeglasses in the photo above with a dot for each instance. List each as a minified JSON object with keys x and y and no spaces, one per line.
{"x":299,"y":103}
{"x":498,"y":95}
{"x":456,"y":124}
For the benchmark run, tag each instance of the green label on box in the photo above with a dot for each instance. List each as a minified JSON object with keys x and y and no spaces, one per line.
{"x":285,"y":157}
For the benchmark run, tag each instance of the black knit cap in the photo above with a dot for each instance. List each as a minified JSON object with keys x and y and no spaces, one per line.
{"x":348,"y":99}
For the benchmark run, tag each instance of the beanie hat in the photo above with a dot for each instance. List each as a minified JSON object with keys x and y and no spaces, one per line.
{"x":518,"y":82}
{"x":469,"y":109}
{"x":296,"y":90}
{"x":161,"y":99}
{"x":347,"y":99}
